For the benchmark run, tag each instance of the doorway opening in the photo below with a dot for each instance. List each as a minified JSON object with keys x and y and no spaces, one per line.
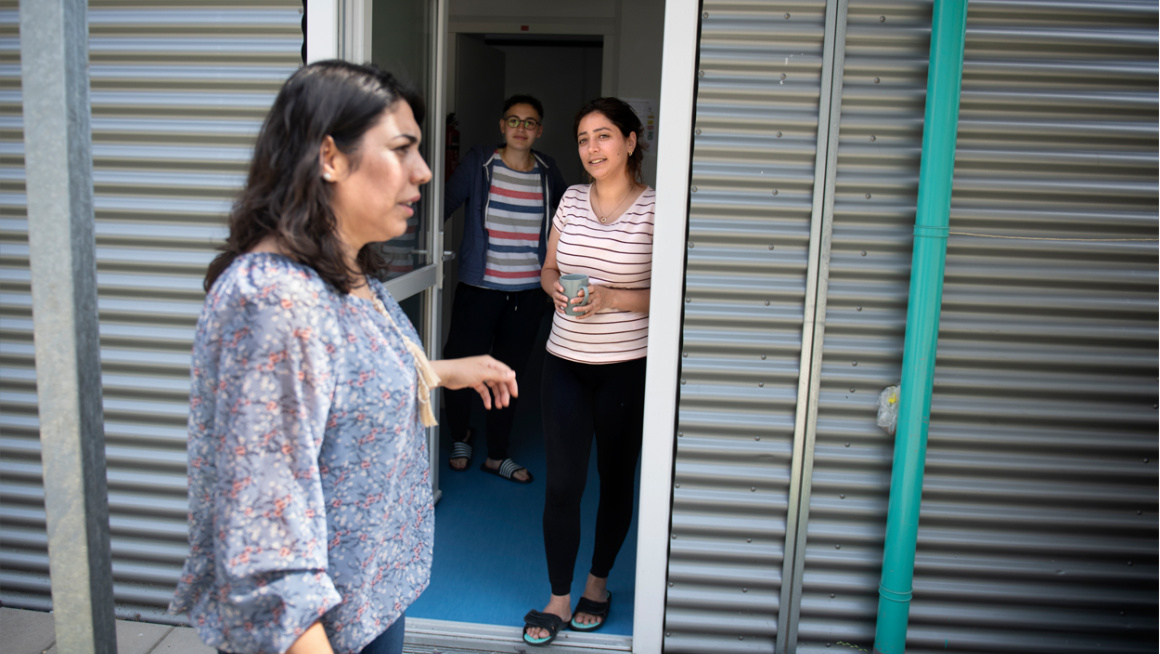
{"x":489,"y":564}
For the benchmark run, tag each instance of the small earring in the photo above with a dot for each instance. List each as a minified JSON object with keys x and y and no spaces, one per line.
{"x":328,"y":177}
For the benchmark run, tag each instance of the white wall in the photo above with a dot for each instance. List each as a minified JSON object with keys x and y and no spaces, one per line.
{"x":638,"y":68}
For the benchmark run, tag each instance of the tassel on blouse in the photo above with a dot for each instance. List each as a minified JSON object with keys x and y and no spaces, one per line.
{"x":428,"y":378}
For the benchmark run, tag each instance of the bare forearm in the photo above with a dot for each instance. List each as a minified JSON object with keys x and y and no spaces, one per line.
{"x":548,"y":279}
{"x":624,"y":299}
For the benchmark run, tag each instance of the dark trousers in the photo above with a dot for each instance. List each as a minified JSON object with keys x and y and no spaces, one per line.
{"x":581,"y":401}
{"x":505,"y":325}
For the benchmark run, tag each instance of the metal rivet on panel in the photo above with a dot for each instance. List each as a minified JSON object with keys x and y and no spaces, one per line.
{"x":748,"y":540}
{"x":756,"y":438}
{"x":670,"y":584}
{"x":787,"y":15}
{"x":667,"y":634}
{"x":676,"y":485}
{"x":705,"y":15}
{"x":841,"y":496}
{"x":745,"y":590}
{"x":775,"y":193}
{"x":685,"y":354}
{"x":863,"y":252}
{"x":771,"y":247}
{"x":767,"y":303}
{"x":1145,"y":459}
{"x":832,"y":595}
{"x":877,"y":80}
{"x":741,"y":638}
{"x":690,"y":246}
{"x":763,"y":357}
{"x":1130,"y":564}
{"x":698,"y":131}
{"x":782,"y":77}
{"x":693,"y":189}
{"x":859,"y":308}
{"x":873,"y":138}
{"x":827,"y":644}
{"x":761,"y":384}
{"x":700,"y":73}
{"x":753,"y":489}
{"x":847,"y":445}
{"x":682,"y":382}
{"x":674,"y":536}
{"x":881,"y":19}
{"x":838,"y":547}
{"x":867,"y":196}
{"x":779,"y":133}
{"x":854,"y":363}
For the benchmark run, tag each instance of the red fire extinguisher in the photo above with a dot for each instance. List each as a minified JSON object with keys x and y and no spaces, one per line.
{"x":451,"y":156}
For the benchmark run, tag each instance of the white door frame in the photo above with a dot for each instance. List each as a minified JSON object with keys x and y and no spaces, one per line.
{"x":674,"y":158}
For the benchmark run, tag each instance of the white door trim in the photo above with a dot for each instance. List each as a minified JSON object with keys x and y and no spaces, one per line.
{"x":321,"y":30}
{"x":674,"y":154}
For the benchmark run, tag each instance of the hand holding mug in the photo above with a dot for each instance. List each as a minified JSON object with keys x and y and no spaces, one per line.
{"x":575,"y":289}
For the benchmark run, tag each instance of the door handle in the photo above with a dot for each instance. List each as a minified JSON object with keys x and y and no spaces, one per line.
{"x":448,"y":255}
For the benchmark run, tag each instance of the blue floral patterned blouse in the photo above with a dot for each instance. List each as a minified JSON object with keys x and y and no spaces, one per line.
{"x":309,"y":487}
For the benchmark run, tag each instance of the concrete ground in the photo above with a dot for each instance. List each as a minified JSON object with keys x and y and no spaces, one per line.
{"x":31,"y":632}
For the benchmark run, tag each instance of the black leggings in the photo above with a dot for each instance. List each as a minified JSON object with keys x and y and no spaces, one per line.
{"x":580,"y":400}
{"x":501,"y":323}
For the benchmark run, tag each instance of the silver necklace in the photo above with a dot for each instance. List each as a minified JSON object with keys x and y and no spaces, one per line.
{"x":604,"y":219}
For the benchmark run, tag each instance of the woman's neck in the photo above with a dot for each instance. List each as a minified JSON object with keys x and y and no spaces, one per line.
{"x":613,"y":188}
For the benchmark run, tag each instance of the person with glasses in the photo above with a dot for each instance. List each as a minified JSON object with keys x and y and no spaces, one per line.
{"x":511,"y":192}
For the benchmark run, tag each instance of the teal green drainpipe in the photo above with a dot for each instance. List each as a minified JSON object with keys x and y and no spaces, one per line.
{"x":943,"y":86}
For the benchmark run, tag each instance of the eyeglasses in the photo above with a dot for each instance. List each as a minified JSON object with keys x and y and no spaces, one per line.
{"x":528,"y":123}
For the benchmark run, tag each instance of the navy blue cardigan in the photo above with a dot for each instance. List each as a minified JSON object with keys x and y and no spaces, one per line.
{"x":471,"y":183}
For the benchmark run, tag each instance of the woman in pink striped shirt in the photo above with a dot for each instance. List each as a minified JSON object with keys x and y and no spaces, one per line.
{"x":593,"y":383}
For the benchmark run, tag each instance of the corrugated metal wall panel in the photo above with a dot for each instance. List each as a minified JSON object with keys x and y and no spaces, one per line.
{"x":876,"y":179}
{"x":178,"y":95}
{"x":1039,"y":520}
{"x":749,"y":234}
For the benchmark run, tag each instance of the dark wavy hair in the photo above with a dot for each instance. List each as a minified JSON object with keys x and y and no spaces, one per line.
{"x":285,"y":196}
{"x":619,"y":113}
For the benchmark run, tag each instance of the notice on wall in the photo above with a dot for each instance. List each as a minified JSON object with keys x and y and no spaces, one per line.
{"x":646,"y":110}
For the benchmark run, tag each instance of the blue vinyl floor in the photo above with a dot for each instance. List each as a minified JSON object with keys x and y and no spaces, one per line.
{"x":489,"y":549}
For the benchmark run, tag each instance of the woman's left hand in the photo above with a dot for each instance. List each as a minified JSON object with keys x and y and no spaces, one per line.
{"x":594,"y":299}
{"x":487,"y":375}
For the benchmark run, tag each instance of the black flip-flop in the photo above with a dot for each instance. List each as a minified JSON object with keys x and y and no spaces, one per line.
{"x":551,"y":622}
{"x":460,"y":450}
{"x":507,"y":470}
{"x":594,"y":609}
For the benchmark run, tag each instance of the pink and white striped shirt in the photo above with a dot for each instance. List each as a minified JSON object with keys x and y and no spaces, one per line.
{"x":618,"y":254}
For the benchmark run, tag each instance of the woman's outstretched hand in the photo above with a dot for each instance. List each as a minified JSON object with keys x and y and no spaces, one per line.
{"x":487,"y":375}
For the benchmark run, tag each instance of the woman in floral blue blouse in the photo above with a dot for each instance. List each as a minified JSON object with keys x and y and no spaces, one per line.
{"x":311,"y":517}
